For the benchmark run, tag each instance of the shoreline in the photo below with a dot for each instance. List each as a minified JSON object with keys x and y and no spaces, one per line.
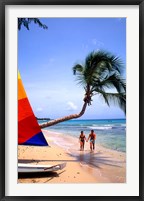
{"x":47,"y":133}
{"x":115,"y":140}
{"x":101,"y":166}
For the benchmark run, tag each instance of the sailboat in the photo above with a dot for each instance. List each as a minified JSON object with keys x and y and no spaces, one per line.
{"x":29,"y":132}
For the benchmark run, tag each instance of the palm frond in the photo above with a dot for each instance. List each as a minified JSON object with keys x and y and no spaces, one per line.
{"x":81,"y":81}
{"x":37,"y":21}
{"x":99,"y":65}
{"x":26,"y":21}
{"x":113,"y":81}
{"x":77,"y":68}
{"x":117,"y":64}
{"x":118,"y":99}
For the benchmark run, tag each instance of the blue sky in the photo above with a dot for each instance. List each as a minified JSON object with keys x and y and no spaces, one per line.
{"x":46,"y":58}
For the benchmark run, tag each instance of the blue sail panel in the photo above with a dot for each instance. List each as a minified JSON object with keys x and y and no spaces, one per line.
{"x":37,"y":140}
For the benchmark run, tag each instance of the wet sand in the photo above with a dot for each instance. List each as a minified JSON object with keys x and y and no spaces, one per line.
{"x":100,"y":166}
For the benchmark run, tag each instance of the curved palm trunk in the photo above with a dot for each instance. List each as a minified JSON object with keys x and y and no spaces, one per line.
{"x":73,"y":116}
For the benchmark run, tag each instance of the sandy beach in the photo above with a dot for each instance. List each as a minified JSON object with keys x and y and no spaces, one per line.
{"x":100,"y":166}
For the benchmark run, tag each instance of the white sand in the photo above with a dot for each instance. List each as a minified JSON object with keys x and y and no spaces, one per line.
{"x":101,"y":166}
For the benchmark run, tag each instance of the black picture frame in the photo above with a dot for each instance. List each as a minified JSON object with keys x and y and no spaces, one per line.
{"x":140,"y":3}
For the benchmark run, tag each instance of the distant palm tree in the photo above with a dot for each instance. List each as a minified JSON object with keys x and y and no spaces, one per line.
{"x":26,"y":21}
{"x":100,"y":75}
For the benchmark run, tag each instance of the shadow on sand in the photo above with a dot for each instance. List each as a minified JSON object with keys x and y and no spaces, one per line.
{"x":39,"y":175}
{"x":37,"y":161}
{"x":94,"y":159}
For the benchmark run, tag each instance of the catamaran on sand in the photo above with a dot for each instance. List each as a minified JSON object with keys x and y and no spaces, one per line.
{"x":30,"y":134}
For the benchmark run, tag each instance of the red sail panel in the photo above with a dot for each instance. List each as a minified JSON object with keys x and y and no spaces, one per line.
{"x":24,"y":109}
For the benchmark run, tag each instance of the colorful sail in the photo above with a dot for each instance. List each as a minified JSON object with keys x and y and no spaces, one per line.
{"x":29,"y":132}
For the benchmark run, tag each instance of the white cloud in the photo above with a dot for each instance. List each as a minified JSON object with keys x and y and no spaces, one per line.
{"x":97,"y":42}
{"x":71,"y":106}
{"x":39,"y":109}
{"x":92,"y":42}
{"x":84,"y":46}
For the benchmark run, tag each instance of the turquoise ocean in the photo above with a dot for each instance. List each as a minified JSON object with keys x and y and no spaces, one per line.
{"x":111,"y":133}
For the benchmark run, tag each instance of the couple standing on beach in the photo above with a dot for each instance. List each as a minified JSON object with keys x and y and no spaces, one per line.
{"x":92,"y":137}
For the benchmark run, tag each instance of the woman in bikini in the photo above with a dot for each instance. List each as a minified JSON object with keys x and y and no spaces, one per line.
{"x":82,"y":139}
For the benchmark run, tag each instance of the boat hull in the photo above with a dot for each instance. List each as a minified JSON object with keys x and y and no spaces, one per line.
{"x":29,"y":168}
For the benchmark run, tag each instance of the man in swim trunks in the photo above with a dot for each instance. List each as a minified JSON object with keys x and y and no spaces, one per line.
{"x":82,"y":139}
{"x":92,"y":137}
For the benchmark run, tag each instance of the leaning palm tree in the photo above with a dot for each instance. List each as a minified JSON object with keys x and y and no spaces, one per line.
{"x":100,"y":75}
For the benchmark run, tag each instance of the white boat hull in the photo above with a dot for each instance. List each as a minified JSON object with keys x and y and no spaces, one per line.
{"x":29,"y":168}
